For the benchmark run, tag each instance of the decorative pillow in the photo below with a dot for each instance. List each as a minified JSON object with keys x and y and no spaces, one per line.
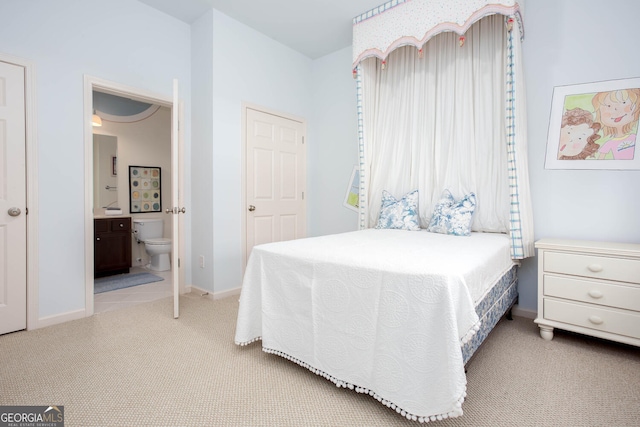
{"x":451,"y":216}
{"x":399,"y":214}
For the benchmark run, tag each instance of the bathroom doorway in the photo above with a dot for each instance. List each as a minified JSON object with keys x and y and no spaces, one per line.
{"x":136,"y":134}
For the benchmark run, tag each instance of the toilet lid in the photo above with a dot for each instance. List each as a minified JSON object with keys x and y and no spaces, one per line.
{"x":158,"y":241}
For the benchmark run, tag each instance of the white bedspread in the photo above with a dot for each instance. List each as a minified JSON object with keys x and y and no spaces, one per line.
{"x":381,"y":311}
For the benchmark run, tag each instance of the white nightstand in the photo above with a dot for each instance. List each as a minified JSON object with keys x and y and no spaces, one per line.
{"x":589,"y":287}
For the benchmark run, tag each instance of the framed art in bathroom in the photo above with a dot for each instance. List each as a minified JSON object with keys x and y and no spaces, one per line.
{"x":145,"y":189}
{"x":595,"y":126}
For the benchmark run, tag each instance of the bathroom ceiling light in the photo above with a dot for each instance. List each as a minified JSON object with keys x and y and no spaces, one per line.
{"x":96,"y":120}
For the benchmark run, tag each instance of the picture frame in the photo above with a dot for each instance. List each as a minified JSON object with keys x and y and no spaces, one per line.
{"x":594,"y":126}
{"x":352,"y":196}
{"x":145,"y":189}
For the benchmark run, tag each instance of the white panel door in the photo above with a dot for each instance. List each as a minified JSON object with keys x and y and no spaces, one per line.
{"x":175,"y":199}
{"x":276,"y":179}
{"x":13,"y":223}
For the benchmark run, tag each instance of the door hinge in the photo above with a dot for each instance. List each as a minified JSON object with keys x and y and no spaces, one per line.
{"x":303,"y":139}
{"x":303,"y":195}
{"x":178,"y":262}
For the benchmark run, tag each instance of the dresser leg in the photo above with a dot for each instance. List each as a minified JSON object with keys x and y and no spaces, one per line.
{"x":546,"y":332}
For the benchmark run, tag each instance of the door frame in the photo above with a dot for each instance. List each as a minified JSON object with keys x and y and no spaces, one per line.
{"x":243,"y":202}
{"x":92,"y":83}
{"x":31,"y":177}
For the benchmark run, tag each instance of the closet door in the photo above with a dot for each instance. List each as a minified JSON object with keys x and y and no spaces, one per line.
{"x":275,"y":180}
{"x":13,"y":219}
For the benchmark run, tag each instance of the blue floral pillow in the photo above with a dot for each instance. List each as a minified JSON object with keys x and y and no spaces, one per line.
{"x":451,"y":216}
{"x":399,"y":214}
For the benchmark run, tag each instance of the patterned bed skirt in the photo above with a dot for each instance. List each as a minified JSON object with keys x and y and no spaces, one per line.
{"x":491,"y":309}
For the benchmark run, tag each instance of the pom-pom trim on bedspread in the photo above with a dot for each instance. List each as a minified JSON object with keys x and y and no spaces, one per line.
{"x":242,"y":344}
{"x":339,"y":383}
{"x":470,"y":333}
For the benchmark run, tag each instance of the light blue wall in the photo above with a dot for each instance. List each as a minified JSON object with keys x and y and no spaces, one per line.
{"x":202,"y":151}
{"x":123,"y":41}
{"x":333,"y":147}
{"x":569,"y":42}
{"x":247,"y":67}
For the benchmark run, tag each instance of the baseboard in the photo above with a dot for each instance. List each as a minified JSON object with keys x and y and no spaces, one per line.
{"x":523,"y":312}
{"x":56,"y":319}
{"x":213,"y":295}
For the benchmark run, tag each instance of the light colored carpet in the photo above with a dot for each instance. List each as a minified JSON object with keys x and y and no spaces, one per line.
{"x":140,"y":367}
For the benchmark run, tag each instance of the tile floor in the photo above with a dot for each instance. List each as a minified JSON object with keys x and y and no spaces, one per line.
{"x":134,"y":295}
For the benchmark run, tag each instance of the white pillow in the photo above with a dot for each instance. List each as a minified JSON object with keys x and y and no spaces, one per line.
{"x":399,"y":214}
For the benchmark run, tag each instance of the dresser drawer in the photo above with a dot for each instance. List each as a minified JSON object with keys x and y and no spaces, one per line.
{"x":620,"y":269}
{"x":593,"y":317}
{"x":621,"y":296}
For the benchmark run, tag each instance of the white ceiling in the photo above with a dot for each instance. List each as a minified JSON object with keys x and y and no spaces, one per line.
{"x":312,"y":27}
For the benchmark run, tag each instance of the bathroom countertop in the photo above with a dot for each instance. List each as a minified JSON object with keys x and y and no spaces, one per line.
{"x":103,"y":216}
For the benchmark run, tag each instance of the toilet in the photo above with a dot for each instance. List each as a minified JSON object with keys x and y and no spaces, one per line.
{"x":149,"y":231}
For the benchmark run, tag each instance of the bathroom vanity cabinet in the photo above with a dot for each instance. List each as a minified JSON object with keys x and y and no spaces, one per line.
{"x":112,"y":246}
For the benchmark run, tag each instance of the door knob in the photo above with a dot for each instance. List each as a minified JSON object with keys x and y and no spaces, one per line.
{"x":252,"y":208}
{"x":176,"y":210}
{"x":14,"y":211}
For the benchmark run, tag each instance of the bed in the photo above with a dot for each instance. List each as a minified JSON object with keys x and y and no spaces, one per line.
{"x":392,"y":313}
{"x":395,"y":314}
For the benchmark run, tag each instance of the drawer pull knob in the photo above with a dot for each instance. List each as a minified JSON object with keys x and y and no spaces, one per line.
{"x":595,"y":294}
{"x":595,"y":320}
{"x":596,"y":268}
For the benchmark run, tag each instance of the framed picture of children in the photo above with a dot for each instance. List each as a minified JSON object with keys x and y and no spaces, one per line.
{"x":594,"y":126}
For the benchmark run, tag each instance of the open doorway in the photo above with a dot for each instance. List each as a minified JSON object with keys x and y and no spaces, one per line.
{"x":130,"y":170}
{"x":131,"y":179}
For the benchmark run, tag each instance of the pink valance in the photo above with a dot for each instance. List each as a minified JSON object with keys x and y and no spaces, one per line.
{"x":413,"y":22}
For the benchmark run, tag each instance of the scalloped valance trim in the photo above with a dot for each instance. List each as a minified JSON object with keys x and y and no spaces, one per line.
{"x":413,"y":40}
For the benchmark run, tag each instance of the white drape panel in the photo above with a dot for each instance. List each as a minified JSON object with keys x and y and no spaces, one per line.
{"x":438,"y":122}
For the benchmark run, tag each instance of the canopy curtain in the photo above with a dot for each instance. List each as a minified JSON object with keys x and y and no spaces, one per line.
{"x":441,"y":120}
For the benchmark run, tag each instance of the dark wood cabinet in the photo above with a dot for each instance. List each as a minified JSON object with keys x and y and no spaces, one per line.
{"x":112,"y":246}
